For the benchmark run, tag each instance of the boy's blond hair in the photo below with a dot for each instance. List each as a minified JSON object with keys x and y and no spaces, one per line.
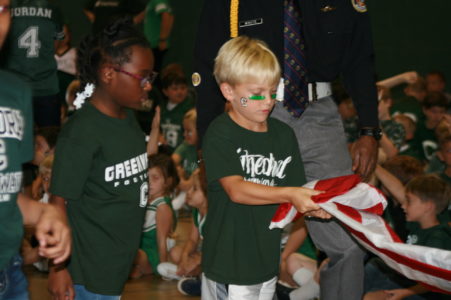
{"x":243,"y":59}
{"x":430,"y":188}
{"x":190,"y":116}
{"x":46,"y":164}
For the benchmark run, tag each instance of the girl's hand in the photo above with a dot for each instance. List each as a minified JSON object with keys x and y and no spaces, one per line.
{"x":156,"y":119}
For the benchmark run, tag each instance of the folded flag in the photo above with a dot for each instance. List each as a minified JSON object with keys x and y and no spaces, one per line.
{"x":358,"y":207}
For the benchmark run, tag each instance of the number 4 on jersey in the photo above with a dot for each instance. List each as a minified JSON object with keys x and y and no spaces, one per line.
{"x":30,"y":41}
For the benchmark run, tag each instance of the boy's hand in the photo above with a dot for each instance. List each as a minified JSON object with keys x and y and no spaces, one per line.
{"x":410,"y":77}
{"x":60,"y":284}
{"x":53,"y":234}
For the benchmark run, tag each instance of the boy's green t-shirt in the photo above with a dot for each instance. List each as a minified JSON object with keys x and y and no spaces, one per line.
{"x":239,"y":248}
{"x":425,"y":141}
{"x":172,"y":122}
{"x":16,"y":148}
{"x":100,"y":168}
{"x":438,"y":236}
{"x":30,"y":50}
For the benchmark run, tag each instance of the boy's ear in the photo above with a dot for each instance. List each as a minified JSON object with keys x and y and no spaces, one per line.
{"x":227,"y":91}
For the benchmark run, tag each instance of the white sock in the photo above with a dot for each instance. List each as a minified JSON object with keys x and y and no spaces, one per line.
{"x":302,"y":276}
{"x":308,"y":291}
{"x":178,"y":201}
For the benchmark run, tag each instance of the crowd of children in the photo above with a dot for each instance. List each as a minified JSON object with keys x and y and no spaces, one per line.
{"x":123,"y":196}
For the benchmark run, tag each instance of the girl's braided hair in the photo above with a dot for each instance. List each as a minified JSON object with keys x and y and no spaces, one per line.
{"x":111,"y":45}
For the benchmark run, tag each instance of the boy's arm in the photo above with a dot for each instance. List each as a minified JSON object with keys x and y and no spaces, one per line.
{"x":152,"y":144}
{"x":164,"y":224}
{"x":249,"y":193}
{"x":407,"y":292}
{"x":60,"y":283}
{"x":52,"y":230}
{"x":407,"y":77}
{"x":393,"y":184}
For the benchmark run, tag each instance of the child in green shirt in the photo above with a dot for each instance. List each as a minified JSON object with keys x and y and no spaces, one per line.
{"x":253,"y":164}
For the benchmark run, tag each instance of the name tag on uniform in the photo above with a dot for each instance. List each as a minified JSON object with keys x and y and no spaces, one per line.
{"x":251,"y":22}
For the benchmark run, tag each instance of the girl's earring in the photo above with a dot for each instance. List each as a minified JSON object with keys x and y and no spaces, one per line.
{"x":243,"y":102}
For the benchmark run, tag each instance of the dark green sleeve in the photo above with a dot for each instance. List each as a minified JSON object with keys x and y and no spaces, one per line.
{"x":220,"y":159}
{"x":27,"y":146}
{"x":73,"y":160}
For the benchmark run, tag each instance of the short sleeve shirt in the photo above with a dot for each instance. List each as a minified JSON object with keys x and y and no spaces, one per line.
{"x":16,"y":148}
{"x":239,"y":248}
{"x":100,"y":168}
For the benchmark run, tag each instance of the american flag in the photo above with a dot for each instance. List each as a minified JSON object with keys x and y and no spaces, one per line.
{"x":359,"y":206}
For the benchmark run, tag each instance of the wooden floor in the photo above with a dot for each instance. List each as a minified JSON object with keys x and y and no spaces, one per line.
{"x":145,"y":288}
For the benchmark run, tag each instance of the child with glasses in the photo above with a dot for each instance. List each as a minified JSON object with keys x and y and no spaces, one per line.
{"x":253,"y":164}
{"x":100,"y":171}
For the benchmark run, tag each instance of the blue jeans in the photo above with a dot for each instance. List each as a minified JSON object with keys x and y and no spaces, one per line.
{"x":13,"y":284}
{"x":81,"y":293}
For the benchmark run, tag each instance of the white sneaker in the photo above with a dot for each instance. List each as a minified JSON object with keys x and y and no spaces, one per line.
{"x":168,"y":271}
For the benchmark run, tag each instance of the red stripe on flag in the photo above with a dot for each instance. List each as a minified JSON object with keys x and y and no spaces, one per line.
{"x":282,"y":212}
{"x":335,"y":187}
{"x":409,"y":262}
{"x":377,"y":209}
{"x":393,"y":234}
{"x":350,"y":212}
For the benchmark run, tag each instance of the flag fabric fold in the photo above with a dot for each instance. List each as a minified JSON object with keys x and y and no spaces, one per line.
{"x":359,"y":206}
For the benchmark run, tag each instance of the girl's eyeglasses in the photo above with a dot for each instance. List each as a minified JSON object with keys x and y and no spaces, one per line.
{"x":143,"y":79}
{"x":4,"y":8}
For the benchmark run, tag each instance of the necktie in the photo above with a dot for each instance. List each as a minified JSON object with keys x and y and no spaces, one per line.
{"x":296,"y":89}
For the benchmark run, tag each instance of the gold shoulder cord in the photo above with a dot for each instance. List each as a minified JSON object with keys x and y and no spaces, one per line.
{"x":234,"y":18}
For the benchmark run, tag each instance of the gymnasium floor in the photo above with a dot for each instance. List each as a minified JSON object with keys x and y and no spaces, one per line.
{"x":145,"y":288}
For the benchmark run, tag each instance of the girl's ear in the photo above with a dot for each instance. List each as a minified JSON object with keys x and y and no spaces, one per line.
{"x":107,"y":74}
{"x":227,"y":91}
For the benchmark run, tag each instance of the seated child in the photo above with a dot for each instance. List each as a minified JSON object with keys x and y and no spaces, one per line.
{"x":407,"y":147}
{"x":44,"y":145}
{"x":299,"y":262}
{"x":176,"y":103}
{"x":185,"y":158}
{"x":393,"y":175}
{"x":434,"y":106}
{"x":426,"y":196}
{"x":411,"y":105}
{"x":252,"y":164}
{"x":160,"y":219}
{"x":187,"y":258}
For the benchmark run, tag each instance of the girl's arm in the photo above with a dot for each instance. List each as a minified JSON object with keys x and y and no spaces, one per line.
{"x":152,"y":144}
{"x":249,"y":193}
{"x":52,"y":230}
{"x":188,"y":249}
{"x":60,"y":283}
{"x":164,"y":224}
